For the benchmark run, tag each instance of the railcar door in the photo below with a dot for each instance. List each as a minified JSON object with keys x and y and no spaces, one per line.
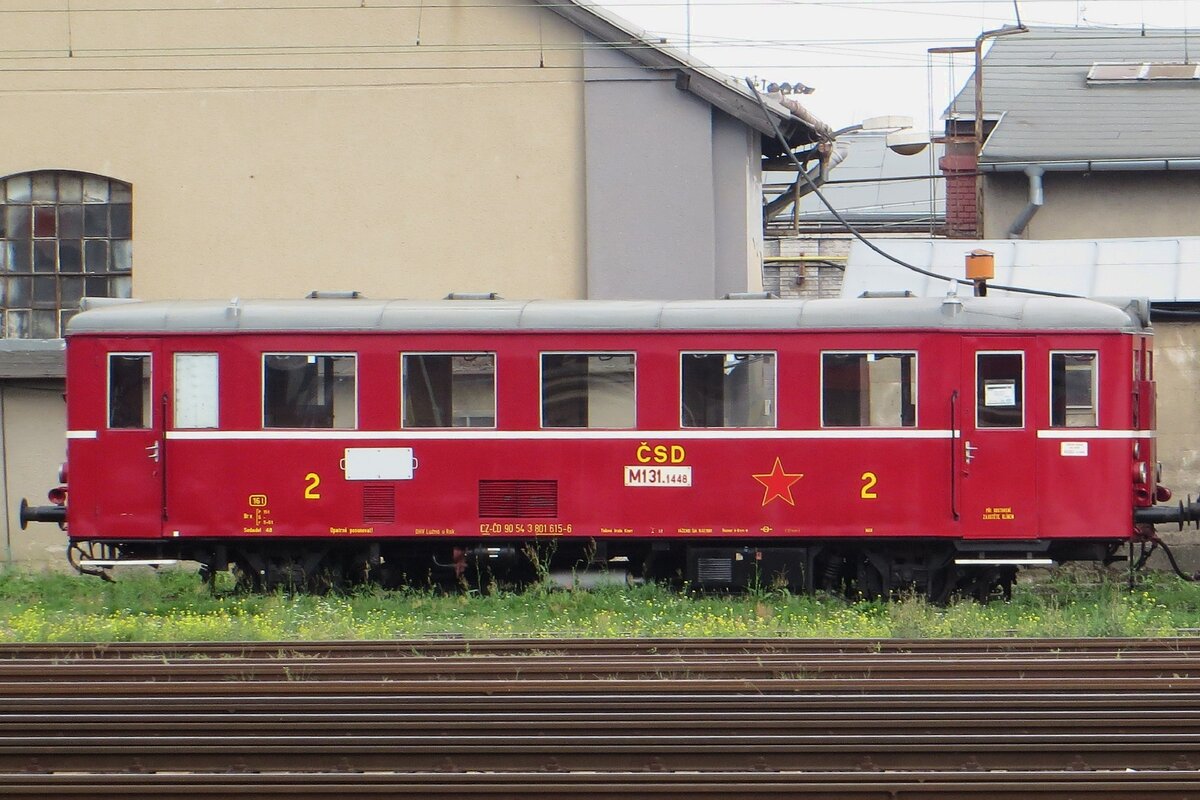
{"x":995,"y":453}
{"x":132,"y":441}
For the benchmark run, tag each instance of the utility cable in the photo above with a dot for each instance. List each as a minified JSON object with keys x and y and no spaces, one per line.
{"x":854,"y":231}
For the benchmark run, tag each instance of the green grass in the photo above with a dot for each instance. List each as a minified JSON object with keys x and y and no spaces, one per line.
{"x":175,"y":606}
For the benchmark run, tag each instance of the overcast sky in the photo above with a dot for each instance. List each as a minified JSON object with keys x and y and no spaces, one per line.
{"x":870,"y":58}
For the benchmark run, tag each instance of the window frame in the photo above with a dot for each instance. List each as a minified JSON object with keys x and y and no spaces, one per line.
{"x":495,"y":386}
{"x":1024,"y":388}
{"x":541,"y":395}
{"x":774,"y":354}
{"x":860,"y":352}
{"x":1095,"y":388}
{"x":108,"y":426}
{"x":58,"y":242}
{"x":262,"y":389}
{"x":175,"y":390}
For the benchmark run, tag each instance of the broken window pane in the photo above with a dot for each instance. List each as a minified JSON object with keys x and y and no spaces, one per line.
{"x":95,"y":190}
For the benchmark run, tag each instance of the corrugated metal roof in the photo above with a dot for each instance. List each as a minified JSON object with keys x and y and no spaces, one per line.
{"x":1162,"y":269}
{"x":890,"y":187}
{"x":374,"y":316}
{"x":1036,"y":83}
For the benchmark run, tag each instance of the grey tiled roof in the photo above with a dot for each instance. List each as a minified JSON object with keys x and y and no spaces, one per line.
{"x":1036,"y":84}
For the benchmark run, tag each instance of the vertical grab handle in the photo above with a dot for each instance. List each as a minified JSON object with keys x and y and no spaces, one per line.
{"x":954,"y":454}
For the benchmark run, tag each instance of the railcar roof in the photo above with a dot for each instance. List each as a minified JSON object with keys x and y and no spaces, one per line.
{"x":361,"y":315}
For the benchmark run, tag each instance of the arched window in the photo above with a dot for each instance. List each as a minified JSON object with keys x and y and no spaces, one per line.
{"x":63,"y":236}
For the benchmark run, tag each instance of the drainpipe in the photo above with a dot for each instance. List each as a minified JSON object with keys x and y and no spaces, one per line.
{"x":1037,"y":198}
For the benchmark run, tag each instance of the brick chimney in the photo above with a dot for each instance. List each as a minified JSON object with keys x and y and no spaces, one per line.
{"x":962,"y":211}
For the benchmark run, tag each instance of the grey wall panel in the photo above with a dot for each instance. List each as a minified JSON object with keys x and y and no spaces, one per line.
{"x":737,"y":204}
{"x":649,"y":167}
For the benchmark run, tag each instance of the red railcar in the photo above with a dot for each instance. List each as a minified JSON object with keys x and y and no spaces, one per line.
{"x":860,"y":445}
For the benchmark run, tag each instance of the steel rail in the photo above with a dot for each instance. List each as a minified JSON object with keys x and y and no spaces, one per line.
{"x":728,"y":718}
{"x":579,"y":752}
{"x":450,"y":646}
{"x":664,"y":684}
{"x":553,"y":668}
{"x":1113,"y":722}
{"x":898,"y":785}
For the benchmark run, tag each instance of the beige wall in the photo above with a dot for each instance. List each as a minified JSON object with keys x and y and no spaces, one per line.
{"x":1097,"y":205}
{"x":1177,"y":373}
{"x":32,"y":425}
{"x":267,"y":160}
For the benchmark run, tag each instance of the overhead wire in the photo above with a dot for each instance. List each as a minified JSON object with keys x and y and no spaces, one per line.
{"x":858,"y":235}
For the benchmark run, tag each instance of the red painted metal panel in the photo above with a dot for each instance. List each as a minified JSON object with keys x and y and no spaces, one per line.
{"x":797,"y":480}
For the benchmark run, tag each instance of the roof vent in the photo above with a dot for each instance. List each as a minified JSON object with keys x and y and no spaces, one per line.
{"x":319,"y":295}
{"x":1140,"y":72}
{"x":474,"y":296}
{"x":751,"y":296}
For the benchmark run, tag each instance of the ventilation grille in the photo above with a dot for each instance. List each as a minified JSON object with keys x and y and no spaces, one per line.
{"x":714,"y":570}
{"x":518,"y":498}
{"x":379,"y":503}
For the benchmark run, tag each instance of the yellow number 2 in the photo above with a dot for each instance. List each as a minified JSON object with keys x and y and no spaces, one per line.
{"x":869,"y":481}
{"x":310,"y":491}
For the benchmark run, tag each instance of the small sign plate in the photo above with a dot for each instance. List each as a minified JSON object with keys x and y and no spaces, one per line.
{"x":1073,"y":448}
{"x":661,"y":477}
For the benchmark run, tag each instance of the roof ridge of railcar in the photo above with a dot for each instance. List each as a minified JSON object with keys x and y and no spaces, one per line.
{"x":366,"y":316}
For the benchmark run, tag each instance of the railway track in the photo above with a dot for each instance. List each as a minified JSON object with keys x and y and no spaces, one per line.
{"x":570,"y":718}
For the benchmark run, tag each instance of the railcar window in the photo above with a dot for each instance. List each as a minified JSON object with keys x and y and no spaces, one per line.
{"x":588,"y":390}
{"x":999,"y":390}
{"x":129,"y":404}
{"x":308,"y":391}
{"x":196,"y":390}
{"x":868,"y":390}
{"x":728,"y":390}
{"x":443,"y":390}
{"x":1073,"y":390}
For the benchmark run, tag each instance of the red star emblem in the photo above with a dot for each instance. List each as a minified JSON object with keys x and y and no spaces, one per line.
{"x":778,"y":483}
